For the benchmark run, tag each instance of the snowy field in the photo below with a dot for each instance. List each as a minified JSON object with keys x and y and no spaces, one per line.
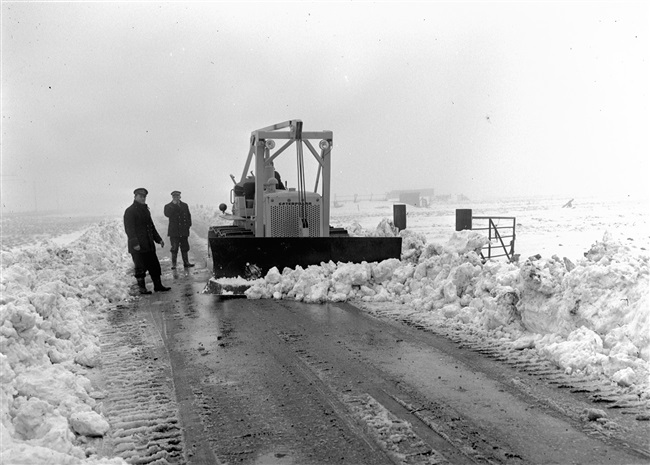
{"x":542,"y":225}
{"x":582,"y":303}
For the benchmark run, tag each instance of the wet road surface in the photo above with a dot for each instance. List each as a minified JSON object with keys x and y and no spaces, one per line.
{"x":291,"y":383}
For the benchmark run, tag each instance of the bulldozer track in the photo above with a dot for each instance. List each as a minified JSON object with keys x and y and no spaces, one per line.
{"x":361,"y":411}
{"x":434,"y":443}
{"x":597,"y":390}
{"x":623,"y":409}
{"x":432,"y":447}
{"x":141,"y":407}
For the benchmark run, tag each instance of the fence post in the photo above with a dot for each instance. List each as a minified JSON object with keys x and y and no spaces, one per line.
{"x":399,"y":216}
{"x":463,"y":219}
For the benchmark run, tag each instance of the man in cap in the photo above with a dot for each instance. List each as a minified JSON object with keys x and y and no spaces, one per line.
{"x":142,"y":236}
{"x":180,"y":222}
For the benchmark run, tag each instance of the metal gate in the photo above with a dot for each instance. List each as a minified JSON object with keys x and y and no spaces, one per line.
{"x":498,"y":244}
{"x":498,"y":234}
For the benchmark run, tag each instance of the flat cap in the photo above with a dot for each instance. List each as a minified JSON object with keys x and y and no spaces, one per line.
{"x":141,"y":190}
{"x":176,"y":193}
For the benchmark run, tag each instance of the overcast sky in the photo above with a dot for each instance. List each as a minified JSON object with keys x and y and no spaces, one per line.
{"x":487,"y":99}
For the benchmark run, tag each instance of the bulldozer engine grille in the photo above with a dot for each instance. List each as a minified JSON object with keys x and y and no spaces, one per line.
{"x":283,"y":216}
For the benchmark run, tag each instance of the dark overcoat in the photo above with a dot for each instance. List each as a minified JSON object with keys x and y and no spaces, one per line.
{"x":140,"y":229}
{"x":180,"y":219}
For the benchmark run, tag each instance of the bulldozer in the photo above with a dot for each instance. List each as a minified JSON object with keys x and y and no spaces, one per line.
{"x":274,"y":225}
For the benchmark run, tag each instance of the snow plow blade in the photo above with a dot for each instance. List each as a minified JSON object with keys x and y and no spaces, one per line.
{"x":233,"y":256}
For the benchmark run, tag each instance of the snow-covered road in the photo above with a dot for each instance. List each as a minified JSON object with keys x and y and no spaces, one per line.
{"x":587,"y":316}
{"x":268,"y":381}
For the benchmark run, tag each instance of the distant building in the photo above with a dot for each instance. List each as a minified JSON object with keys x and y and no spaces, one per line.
{"x":415,"y":197}
{"x":410,"y":198}
{"x":394,"y":195}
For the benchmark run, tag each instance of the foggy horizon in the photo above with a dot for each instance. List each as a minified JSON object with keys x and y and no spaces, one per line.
{"x":490,"y":100}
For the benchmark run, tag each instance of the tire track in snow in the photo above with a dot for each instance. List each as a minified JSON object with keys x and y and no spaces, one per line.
{"x":141,"y":407}
{"x":600,"y":390}
{"x":376,"y":414}
{"x":624,"y":409}
{"x":364,"y":414}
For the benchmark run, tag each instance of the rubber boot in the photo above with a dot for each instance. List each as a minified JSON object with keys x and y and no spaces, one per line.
{"x":143,"y":286}
{"x":186,"y":261}
{"x":174,"y":256}
{"x":158,"y":285}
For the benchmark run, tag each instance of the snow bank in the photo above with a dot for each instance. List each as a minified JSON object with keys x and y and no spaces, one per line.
{"x":51,"y":297}
{"x":598,"y":311}
{"x":591,"y":317}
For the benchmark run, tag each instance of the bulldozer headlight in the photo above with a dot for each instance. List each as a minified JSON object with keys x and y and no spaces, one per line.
{"x":324,"y":144}
{"x":270,"y":144}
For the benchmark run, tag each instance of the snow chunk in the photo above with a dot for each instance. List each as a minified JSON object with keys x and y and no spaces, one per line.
{"x":89,"y":423}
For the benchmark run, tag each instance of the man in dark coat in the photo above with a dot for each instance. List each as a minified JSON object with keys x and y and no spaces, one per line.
{"x":180,"y":222}
{"x":142,"y":236}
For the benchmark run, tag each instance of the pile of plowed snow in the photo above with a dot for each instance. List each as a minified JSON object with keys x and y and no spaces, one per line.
{"x":51,"y":297}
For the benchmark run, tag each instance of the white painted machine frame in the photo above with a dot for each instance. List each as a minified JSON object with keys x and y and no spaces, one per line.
{"x":263,"y":141}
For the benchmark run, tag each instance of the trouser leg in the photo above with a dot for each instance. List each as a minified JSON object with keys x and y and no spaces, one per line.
{"x":174,"y":241}
{"x":185,"y":247}
{"x":139,"y":265}
{"x":152,"y":264}
{"x":184,"y":244}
